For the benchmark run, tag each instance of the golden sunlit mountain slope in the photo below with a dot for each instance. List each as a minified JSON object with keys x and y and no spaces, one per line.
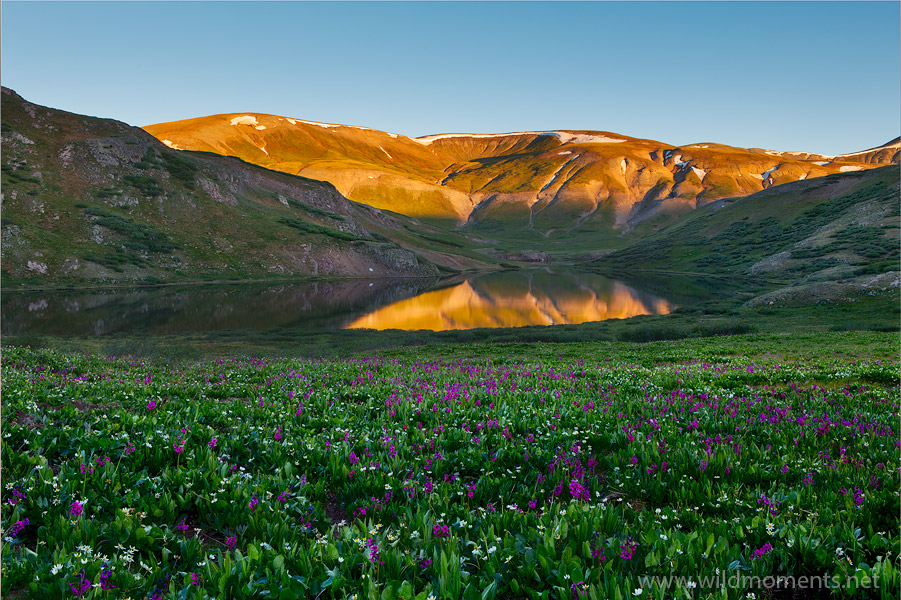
{"x":536,"y":184}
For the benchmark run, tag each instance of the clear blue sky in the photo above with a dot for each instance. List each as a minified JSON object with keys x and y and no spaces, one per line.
{"x":816,"y":76}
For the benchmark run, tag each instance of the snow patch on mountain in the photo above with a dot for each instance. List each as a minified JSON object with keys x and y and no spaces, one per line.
{"x":701,"y":173}
{"x":766,"y":174}
{"x":584,"y":138}
{"x":260,"y":127}
{"x":554,"y":177}
{"x":565,"y":137}
{"x":848,"y":168}
{"x":245,"y":120}
{"x":171,"y":144}
{"x":386,"y":153}
{"x":821,"y":163}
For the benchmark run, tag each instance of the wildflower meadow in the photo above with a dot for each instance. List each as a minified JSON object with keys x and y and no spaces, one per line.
{"x":401,"y":478}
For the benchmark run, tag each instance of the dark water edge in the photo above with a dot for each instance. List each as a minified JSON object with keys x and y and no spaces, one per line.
{"x":200,"y":308}
{"x":502,"y":299}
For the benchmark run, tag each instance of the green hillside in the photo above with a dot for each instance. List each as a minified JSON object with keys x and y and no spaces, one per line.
{"x":88,"y":200}
{"x":839,"y":230}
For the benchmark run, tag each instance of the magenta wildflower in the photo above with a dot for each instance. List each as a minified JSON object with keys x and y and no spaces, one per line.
{"x":83,"y":586}
{"x":627,"y":549}
{"x":76,"y":508}
{"x":19,"y":495}
{"x":253,"y":503}
{"x":105,"y":575}
{"x":195,"y":579}
{"x":212,"y":443}
{"x":17,"y":528}
{"x":761,"y":552}
{"x":773,"y":505}
{"x":151,"y":405}
{"x":441,"y":531}
{"x":597,"y":551}
{"x":230,"y":542}
{"x":372,"y":551}
{"x":579,"y":589}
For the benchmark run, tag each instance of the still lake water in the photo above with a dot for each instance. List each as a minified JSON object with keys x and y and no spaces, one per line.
{"x":505,"y":299}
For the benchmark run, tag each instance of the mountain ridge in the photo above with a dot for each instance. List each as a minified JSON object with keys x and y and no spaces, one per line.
{"x":509,"y":184}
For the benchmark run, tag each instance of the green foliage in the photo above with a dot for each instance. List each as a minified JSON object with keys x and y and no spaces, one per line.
{"x":182,"y":169}
{"x":665,"y":331}
{"x":314,"y":210}
{"x":764,"y":231}
{"x":474,"y":479}
{"x":145,"y":184}
{"x":149,"y":160}
{"x":115,"y":259}
{"x":17,"y":175}
{"x":307,"y":227}
{"x":138,"y":236}
{"x":102,"y":194}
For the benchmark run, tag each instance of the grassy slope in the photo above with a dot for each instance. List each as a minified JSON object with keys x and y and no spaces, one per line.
{"x":847,"y":220}
{"x":96,"y":200}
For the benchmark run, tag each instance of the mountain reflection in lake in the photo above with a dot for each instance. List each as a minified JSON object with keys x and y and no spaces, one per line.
{"x":506,"y":299}
{"x":516,"y":299}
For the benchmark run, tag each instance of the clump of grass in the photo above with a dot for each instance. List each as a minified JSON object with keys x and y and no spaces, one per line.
{"x":180,"y":168}
{"x":664,"y":331}
{"x":307,"y":227}
{"x":138,"y":236}
{"x":146,"y":185}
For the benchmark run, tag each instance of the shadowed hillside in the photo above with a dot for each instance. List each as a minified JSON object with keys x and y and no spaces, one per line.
{"x":96,"y":200}
{"x":824,"y":237}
